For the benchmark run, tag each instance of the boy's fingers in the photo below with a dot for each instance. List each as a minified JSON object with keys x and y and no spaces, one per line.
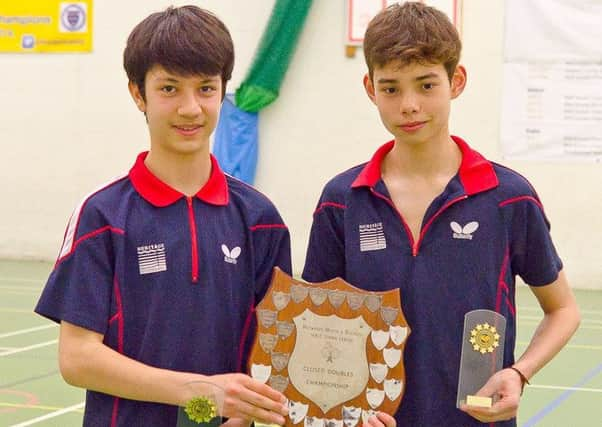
{"x":374,"y":422}
{"x":500,"y":411}
{"x":386,"y":419}
{"x":265,"y":390}
{"x":254,"y":413}
{"x":487,"y":390}
{"x":264,"y":397}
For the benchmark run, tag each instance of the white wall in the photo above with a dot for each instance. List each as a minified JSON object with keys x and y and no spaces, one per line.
{"x":68,"y":125}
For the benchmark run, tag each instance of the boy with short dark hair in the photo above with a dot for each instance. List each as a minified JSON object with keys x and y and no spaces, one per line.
{"x":432,"y":217}
{"x":160,"y":270}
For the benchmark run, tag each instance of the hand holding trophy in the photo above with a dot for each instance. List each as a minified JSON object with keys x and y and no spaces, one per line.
{"x":237,"y":397}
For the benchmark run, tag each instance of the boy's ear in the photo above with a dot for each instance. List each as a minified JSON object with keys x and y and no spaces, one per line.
{"x":458,"y":81}
{"x":137,"y":96}
{"x":369,"y":86}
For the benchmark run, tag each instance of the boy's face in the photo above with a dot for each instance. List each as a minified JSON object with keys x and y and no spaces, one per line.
{"x":182,"y":111}
{"x":414,"y":100}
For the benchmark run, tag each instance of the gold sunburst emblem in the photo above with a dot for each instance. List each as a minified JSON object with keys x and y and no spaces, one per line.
{"x":201,"y":409}
{"x":484,"y":338}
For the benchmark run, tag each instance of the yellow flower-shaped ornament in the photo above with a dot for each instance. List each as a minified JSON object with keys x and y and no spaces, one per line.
{"x":484,"y":338}
{"x":201,"y":409}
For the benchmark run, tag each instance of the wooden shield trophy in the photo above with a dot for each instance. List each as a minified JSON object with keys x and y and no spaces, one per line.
{"x":335,"y":351}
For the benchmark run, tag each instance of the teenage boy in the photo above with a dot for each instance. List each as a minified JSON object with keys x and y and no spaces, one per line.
{"x":159,"y":271}
{"x":451,"y":230}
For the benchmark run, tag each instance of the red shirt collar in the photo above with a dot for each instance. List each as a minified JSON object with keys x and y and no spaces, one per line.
{"x":158,"y":193}
{"x":476,"y":173}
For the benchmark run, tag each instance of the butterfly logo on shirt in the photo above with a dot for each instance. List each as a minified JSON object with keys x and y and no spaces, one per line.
{"x":230,"y":256}
{"x":465,"y":232}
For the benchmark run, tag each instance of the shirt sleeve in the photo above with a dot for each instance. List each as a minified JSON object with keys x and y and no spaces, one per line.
{"x":325,"y":257}
{"x":272,"y":248}
{"x":534,"y":257}
{"x":79,"y":289}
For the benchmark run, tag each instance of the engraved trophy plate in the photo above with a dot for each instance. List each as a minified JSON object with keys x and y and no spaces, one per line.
{"x":355,"y":300}
{"x":378,"y":371}
{"x":280,"y":360}
{"x":261,"y":372}
{"x":320,"y":374}
{"x":281,"y":299}
{"x":299,"y":293}
{"x":284,"y":329}
{"x":338,"y":351}
{"x":482,"y":354}
{"x":267,"y":317}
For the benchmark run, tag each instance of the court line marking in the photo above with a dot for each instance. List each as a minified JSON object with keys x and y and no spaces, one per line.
{"x":31,"y":347}
{"x":26,"y":406}
{"x":581,"y":326}
{"x":28,"y":330}
{"x":17,"y":288}
{"x":583,"y":320}
{"x":582,"y":310}
{"x":558,"y":387}
{"x":26,"y":380}
{"x":575,"y":346}
{"x":21,"y":288}
{"x":22,"y":381}
{"x":51,"y":415}
{"x":564,"y":396}
{"x":20,"y":293}
{"x":16,"y":310}
{"x":21,"y":280}
{"x":30,"y":398}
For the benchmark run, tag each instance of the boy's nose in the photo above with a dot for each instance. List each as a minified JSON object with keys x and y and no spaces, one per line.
{"x":190,"y":106}
{"x":409,"y":104}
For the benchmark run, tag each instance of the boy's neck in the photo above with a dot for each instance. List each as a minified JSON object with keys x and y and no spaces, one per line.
{"x":187,"y":173}
{"x":426,"y":159}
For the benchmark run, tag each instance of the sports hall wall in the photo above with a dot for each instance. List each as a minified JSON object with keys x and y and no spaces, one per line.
{"x":68,"y":125}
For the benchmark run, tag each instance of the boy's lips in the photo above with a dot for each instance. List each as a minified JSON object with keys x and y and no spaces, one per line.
{"x":187,"y":130}
{"x":412,"y":126}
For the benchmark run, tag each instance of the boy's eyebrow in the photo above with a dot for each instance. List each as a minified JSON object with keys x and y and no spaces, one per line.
{"x":384,"y":81}
{"x":170,"y":79}
{"x":427,"y":76}
{"x":210,"y":79}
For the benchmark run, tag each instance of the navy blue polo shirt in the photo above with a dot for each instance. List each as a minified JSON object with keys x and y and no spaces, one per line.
{"x":169,"y":280}
{"x":486,"y":227}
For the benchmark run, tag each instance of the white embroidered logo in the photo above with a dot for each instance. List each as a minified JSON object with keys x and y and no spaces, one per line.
{"x":151,"y":258}
{"x":372,"y":237}
{"x":464,"y":232}
{"x":230,"y":255}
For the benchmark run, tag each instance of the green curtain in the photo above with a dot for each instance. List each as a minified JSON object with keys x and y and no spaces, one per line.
{"x":262,"y":83}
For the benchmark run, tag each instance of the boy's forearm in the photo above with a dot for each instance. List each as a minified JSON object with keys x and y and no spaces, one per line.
{"x":93,"y":365}
{"x":87,"y":362}
{"x":554,"y":331}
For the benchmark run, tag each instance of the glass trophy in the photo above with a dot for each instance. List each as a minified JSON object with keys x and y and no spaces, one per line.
{"x":482,"y":355}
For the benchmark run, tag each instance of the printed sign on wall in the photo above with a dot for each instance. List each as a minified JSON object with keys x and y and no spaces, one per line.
{"x":360,"y":12}
{"x":38,"y":26}
{"x":552,"y":93}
